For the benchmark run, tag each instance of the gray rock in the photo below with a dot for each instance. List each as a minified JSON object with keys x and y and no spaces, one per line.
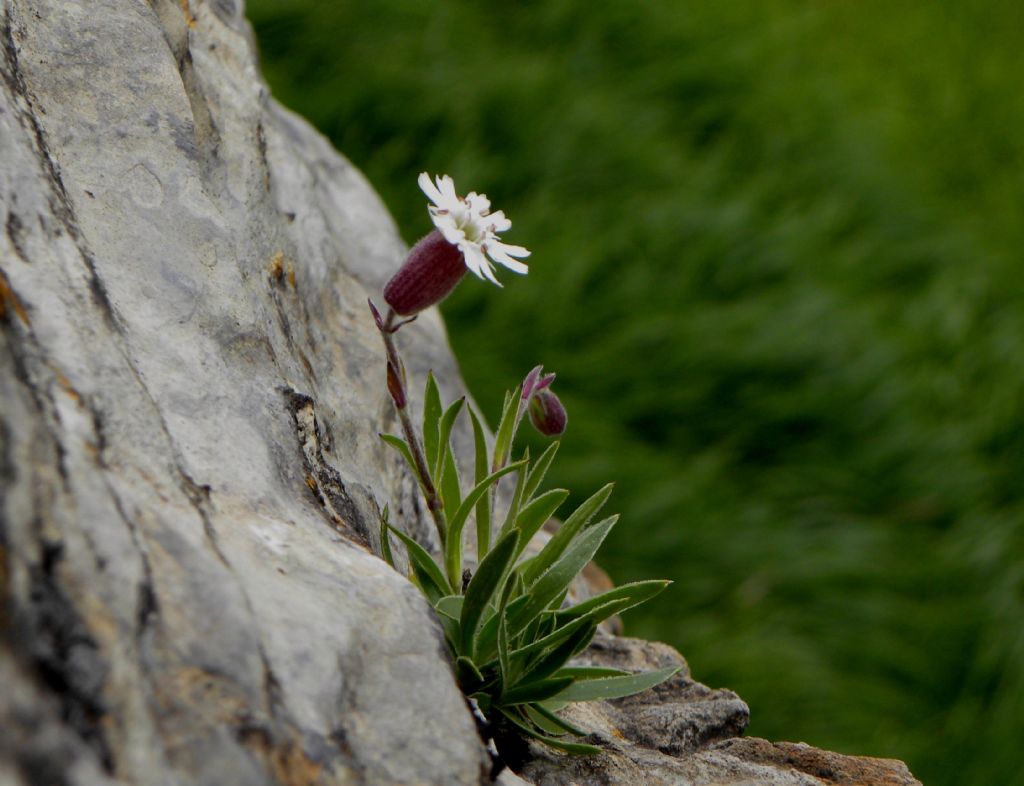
{"x":191,"y":389}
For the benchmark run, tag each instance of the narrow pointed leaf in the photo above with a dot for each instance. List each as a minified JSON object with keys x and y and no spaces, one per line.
{"x":453,"y":544}
{"x":483,"y":507}
{"x":553,"y":582}
{"x":444,"y":431}
{"x":452,"y":632}
{"x":486,"y":646}
{"x":541,"y":722}
{"x":551,"y":722}
{"x":591,"y":672}
{"x":450,"y":606}
{"x":559,"y":600}
{"x":431,"y":415}
{"x":422,"y":560}
{"x":467,"y":674}
{"x":525,"y":693}
{"x":555,"y":659}
{"x":451,"y":493}
{"x":402,"y":447}
{"x":504,"y":662}
{"x":614,"y":687}
{"x":559,"y":635}
{"x":517,"y":495}
{"x":539,"y":470}
{"x":532,"y":517}
{"x":506,"y":430}
{"x":576,"y":748}
{"x":567,"y":532}
{"x":636,"y":593}
{"x":489,"y":576}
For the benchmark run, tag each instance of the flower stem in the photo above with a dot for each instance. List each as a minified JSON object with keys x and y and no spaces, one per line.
{"x":400,"y":398}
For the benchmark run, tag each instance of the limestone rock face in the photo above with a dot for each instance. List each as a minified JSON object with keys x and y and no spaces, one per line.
{"x":191,"y":389}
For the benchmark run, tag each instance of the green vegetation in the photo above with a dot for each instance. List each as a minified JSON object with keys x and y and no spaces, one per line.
{"x":510,"y":635}
{"x":777,"y":269}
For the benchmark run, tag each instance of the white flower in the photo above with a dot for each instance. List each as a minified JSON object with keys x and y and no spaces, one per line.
{"x":467,"y":223}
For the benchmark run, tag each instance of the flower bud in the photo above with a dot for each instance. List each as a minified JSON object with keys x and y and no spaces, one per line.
{"x":395,"y":387}
{"x":433,"y":268}
{"x":547,"y":413}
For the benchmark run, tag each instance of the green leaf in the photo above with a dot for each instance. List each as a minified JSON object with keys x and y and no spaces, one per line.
{"x":467,"y":674}
{"x":614,"y":687}
{"x":452,"y":632}
{"x":445,"y":430}
{"x":504,"y":662}
{"x":575,"y":748}
{"x":567,"y":532}
{"x":517,"y":495}
{"x":483,"y":507}
{"x":524,"y":693}
{"x":506,"y":430}
{"x":451,"y":493}
{"x":635,"y":593}
{"x":427,"y":586}
{"x":532,"y":517}
{"x":431,"y":415}
{"x":487,"y":640}
{"x":560,"y":634}
{"x":553,"y":582}
{"x":557,"y":657}
{"x":552,"y":723}
{"x":450,"y":606}
{"x":402,"y":447}
{"x":539,"y":470}
{"x":424,"y":563}
{"x":385,"y":539}
{"x":489,"y":576}
{"x":591,"y":672}
{"x":453,"y":544}
{"x":556,"y":604}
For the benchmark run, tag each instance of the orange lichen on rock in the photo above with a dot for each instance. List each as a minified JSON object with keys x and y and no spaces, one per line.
{"x":190,"y":20}
{"x":276,"y":268}
{"x":8,"y":299}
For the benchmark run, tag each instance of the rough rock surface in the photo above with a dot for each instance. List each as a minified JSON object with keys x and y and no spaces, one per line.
{"x":190,"y":393}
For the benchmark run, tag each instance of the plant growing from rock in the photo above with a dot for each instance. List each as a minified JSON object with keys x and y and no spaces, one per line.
{"x":510,"y":628}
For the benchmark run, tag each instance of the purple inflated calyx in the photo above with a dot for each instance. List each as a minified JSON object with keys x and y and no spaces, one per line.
{"x":432,"y":270}
{"x":547,"y":414}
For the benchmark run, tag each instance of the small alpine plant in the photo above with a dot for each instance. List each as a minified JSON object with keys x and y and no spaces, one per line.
{"x":506,"y":616}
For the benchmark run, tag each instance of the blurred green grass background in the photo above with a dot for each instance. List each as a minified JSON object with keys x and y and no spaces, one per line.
{"x":776,"y":265}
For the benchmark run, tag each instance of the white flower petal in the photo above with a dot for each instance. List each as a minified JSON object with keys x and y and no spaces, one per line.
{"x":476,"y":261}
{"x":497,"y":252}
{"x":468,"y":224}
{"x":447,"y":188}
{"x":451,"y":233}
{"x":513,"y":251}
{"x":489,"y":272}
{"x":478,"y":202}
{"x":428,"y":188}
{"x":498,"y":222}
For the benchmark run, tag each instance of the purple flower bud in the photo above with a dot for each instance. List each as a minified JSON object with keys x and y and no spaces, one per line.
{"x":433,"y":268}
{"x":547,"y":413}
{"x":395,"y":387}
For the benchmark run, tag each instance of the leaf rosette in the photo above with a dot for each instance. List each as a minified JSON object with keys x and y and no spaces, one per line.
{"x":511,"y":631}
